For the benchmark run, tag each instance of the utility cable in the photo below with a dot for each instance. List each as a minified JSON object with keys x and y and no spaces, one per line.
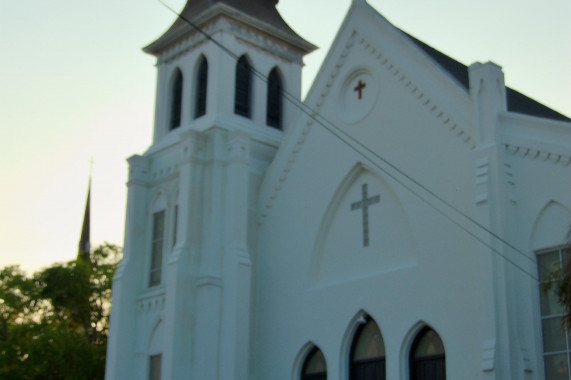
{"x":341,"y":134}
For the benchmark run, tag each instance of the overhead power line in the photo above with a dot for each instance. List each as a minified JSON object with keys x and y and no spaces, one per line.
{"x":359,"y":147}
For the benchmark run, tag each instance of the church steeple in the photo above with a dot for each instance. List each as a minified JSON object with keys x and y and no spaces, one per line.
{"x":261,"y":12}
{"x":201,"y":86}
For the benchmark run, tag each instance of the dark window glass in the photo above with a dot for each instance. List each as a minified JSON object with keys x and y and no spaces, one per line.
{"x":314,"y":367}
{"x":157,"y":248}
{"x":176,"y":100}
{"x":427,"y":357}
{"x":368,"y":353}
{"x":274,"y":104}
{"x":155,"y":367}
{"x":243,"y":91}
{"x":201,"y":88}
{"x":556,"y":339}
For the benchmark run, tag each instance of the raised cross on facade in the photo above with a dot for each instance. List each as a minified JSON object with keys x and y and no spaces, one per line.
{"x":364,"y":204}
{"x":359,"y":88}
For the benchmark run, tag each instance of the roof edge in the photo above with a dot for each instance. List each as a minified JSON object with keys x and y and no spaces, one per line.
{"x":172,"y":36}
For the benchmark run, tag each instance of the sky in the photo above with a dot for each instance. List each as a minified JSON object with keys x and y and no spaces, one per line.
{"x":75,"y":85}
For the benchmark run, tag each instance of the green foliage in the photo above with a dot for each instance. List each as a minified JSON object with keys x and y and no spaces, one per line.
{"x":564,"y":294}
{"x":54,"y":324}
{"x":558,"y":282}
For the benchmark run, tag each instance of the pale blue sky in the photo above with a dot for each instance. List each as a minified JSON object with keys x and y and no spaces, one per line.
{"x":74,"y":83}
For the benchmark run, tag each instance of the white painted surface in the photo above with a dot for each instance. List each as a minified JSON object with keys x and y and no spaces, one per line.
{"x":269,"y":257}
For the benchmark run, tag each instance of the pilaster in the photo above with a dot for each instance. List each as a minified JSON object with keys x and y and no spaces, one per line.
{"x":126,"y":282}
{"x":494,"y":182}
{"x":206,"y":345}
{"x":234,"y":350}
{"x":178,"y":321}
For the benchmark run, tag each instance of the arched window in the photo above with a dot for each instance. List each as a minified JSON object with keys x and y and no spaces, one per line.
{"x":314,"y":367}
{"x":243,"y":90}
{"x":274,"y":104}
{"x":176,"y":100}
{"x":552,"y":264}
{"x":427,"y":358}
{"x":158,"y":230}
{"x":367,"y":353}
{"x":201,"y":88}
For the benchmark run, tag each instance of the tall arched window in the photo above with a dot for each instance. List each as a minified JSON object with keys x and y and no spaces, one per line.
{"x":157,"y":245}
{"x":243,"y":90}
{"x":367,"y":353}
{"x":274,"y":103}
{"x":314,"y":367}
{"x":427,"y":357}
{"x":176,"y":100}
{"x":201,"y":88}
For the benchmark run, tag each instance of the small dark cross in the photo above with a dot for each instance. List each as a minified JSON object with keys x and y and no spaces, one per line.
{"x":360,"y":88}
{"x":364,"y":204}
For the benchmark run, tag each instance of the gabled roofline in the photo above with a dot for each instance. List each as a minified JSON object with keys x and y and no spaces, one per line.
{"x":516,"y":101}
{"x":180,"y":29}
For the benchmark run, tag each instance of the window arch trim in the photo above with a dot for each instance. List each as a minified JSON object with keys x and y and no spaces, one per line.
{"x":377,"y":363}
{"x":416,"y":336}
{"x":314,"y":354}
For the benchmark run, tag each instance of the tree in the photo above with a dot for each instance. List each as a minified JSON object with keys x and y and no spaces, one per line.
{"x":54,"y":324}
{"x":559,"y":281}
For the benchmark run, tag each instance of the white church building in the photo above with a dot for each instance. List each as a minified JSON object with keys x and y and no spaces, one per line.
{"x":396,"y":224}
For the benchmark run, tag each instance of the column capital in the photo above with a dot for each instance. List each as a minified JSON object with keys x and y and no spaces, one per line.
{"x":193,"y":143}
{"x":488,"y":93}
{"x":238,"y":146}
{"x":138,"y":170}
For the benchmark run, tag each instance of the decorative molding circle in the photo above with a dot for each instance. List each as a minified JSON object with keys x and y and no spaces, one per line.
{"x":358,"y":95}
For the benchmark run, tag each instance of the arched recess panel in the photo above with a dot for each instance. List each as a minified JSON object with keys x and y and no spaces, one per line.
{"x":551,"y":227}
{"x":156,"y":339}
{"x":154,"y":352}
{"x":364,"y":231}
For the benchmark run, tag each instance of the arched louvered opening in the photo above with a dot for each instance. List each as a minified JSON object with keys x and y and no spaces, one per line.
{"x":201,"y":88}
{"x":176,"y":100}
{"x":314,"y":366}
{"x":427,"y":356}
{"x":275,"y":100}
{"x":367,"y":353}
{"x":243,"y":89}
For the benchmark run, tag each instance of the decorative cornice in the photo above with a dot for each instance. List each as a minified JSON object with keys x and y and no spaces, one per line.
{"x":213,"y":21}
{"x":537,"y":154}
{"x":152,"y":301}
{"x":422,"y":95}
{"x":263,"y":43}
{"x":536,"y":138}
{"x":238,"y":147}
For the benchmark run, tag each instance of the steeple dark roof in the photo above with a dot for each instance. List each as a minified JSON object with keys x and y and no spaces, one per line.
{"x":262,"y":10}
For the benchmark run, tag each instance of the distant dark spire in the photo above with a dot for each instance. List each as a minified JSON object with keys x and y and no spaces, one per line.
{"x":84,"y":244}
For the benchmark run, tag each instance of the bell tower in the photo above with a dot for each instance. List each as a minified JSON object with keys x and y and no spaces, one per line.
{"x":221,"y":53}
{"x":181,"y":304}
